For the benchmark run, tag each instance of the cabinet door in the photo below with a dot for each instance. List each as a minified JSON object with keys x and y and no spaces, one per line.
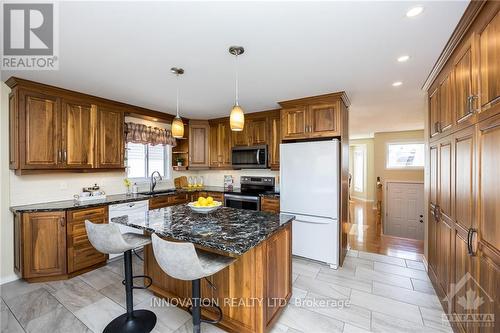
{"x":324,"y":120}
{"x":41,"y":123}
{"x":271,"y":205}
{"x":465,"y":83}
{"x":464,"y":168}
{"x":489,"y":183}
{"x":434,"y":113}
{"x":220,"y":145}
{"x":44,"y":244}
{"x":258,"y":131}
{"x":81,"y":253}
{"x":489,"y":280}
{"x":198,"y":145}
{"x":489,"y":49}
{"x":446,"y":104}
{"x":433,"y":189}
{"x":274,"y":142}
{"x":13,"y":131}
{"x":293,"y":123}
{"x":110,"y":138}
{"x":78,"y":134}
{"x":443,"y":255}
{"x":241,"y":138}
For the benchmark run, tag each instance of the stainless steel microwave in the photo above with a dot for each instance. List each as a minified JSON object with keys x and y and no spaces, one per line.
{"x":254,"y":157}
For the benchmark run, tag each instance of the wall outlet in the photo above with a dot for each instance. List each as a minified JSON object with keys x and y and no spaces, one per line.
{"x":63,"y":185}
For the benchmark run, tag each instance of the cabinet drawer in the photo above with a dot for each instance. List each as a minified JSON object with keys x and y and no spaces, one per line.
{"x":217,"y":196}
{"x":159,"y":202}
{"x":178,"y":199}
{"x":87,"y":214}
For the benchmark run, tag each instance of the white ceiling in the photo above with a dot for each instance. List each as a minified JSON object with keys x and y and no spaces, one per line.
{"x":124,"y":50}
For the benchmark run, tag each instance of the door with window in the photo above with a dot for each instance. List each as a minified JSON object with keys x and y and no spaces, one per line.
{"x":405,"y":210}
{"x":358,"y":170}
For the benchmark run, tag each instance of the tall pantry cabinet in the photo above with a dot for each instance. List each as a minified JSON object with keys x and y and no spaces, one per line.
{"x":464,"y":170}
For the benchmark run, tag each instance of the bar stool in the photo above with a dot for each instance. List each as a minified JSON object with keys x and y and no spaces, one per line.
{"x":107,"y":238}
{"x":182,"y":261}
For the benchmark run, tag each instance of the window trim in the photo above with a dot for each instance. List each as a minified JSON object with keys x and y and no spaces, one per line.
{"x":167,"y":166}
{"x":402,"y":142}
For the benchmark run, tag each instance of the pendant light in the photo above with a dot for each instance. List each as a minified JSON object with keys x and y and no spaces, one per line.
{"x":177,"y":124}
{"x":237,"y":118}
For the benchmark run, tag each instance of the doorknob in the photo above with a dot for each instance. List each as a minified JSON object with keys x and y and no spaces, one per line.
{"x":421,"y":216}
{"x":421,"y":221}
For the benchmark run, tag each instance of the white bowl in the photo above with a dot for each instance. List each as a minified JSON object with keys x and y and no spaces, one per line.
{"x":204,"y":210}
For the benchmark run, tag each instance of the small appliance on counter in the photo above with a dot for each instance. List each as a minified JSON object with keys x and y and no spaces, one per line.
{"x":228,"y":182}
{"x":249,"y":196}
{"x":92,"y":193}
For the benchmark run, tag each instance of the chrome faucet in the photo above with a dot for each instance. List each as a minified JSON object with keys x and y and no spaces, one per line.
{"x":152,"y":184}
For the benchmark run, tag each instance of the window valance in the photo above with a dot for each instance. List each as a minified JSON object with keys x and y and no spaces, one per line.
{"x":140,"y":133}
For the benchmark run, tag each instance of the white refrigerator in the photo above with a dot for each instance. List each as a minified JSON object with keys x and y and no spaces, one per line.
{"x":309,"y":189}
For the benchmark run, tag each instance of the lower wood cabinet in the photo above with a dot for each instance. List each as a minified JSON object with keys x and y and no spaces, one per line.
{"x":54,"y":245}
{"x":168,"y":200}
{"x":270,"y":204}
{"x":42,"y":242}
{"x":81,"y":253}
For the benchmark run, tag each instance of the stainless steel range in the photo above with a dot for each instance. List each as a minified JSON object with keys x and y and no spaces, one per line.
{"x":248,"y":197}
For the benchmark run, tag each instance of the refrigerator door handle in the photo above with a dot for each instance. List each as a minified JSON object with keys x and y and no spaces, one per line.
{"x":310,"y":219}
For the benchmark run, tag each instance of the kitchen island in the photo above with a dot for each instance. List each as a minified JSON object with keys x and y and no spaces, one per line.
{"x":253,"y":290}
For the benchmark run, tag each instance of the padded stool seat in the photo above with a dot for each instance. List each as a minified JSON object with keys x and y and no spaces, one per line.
{"x":183,"y":262}
{"x":107,"y":238}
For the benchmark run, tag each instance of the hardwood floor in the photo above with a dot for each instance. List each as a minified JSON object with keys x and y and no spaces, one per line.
{"x":365,"y":234}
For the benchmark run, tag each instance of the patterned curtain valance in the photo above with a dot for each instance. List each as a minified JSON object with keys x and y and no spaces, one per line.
{"x":139,"y":133}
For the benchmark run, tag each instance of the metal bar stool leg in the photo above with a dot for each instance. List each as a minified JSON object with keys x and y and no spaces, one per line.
{"x":127,"y":261}
{"x":196,"y":305}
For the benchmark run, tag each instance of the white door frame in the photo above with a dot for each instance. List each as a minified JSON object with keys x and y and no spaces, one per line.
{"x":386,"y":187}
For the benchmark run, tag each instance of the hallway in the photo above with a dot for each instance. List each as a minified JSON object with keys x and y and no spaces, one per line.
{"x":365,"y":234}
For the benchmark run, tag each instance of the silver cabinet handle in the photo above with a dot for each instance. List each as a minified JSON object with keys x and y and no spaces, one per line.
{"x":470,"y":102}
{"x":65,"y":156}
{"x":59,"y":159}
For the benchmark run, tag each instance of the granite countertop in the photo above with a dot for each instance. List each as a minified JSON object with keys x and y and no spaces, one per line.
{"x":228,"y":230}
{"x":72,"y":204}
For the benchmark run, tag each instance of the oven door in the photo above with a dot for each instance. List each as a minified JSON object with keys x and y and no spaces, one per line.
{"x":242,"y":201}
{"x":254,"y":157}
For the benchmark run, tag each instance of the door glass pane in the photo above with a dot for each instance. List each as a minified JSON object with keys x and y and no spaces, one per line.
{"x":359,"y":169}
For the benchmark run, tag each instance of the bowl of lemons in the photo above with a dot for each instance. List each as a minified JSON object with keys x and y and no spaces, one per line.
{"x":204,"y":205}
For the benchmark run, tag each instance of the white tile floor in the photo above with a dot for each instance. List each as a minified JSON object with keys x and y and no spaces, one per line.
{"x":380,"y":294}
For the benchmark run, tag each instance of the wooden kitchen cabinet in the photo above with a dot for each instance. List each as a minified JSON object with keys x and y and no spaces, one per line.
{"x":489,"y":47}
{"x":78,"y":139}
{"x":162,"y":201}
{"x":81,"y":254}
{"x":199,"y":132}
{"x":313,"y":117}
{"x":220,"y":144}
{"x":110,"y":138}
{"x":274,"y":141}
{"x":53,"y":129}
{"x":434,"y":113}
{"x":39,"y":130}
{"x":270,"y":204}
{"x":258,"y":131}
{"x":446,"y":104}
{"x":43,"y":252}
{"x":294,"y":123}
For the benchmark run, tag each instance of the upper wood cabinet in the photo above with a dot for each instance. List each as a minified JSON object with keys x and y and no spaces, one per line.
{"x":199,"y":132}
{"x":274,"y":141}
{"x":257,"y":128}
{"x":55,"y":129}
{"x":39,"y":130}
{"x":446,"y":104}
{"x":78,"y":139}
{"x":434,"y":113}
{"x":489,"y":47}
{"x":220,"y":144}
{"x":110,"y":138}
{"x":294,"y":123}
{"x":314,"y":117}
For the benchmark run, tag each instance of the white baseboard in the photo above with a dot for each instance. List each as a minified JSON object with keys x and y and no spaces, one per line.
{"x":10,"y":278}
{"x":426,"y":264}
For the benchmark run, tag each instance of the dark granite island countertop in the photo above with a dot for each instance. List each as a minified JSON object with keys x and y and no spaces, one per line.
{"x":227,"y":230}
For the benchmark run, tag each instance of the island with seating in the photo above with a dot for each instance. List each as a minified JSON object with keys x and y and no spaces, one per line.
{"x":253,"y":291}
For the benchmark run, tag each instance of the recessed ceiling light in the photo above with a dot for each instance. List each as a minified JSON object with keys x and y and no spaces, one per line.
{"x":397,"y":84}
{"x":403,"y":58}
{"x":415,"y":11}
